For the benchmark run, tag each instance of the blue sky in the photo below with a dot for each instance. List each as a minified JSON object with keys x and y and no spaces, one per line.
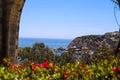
{"x":67,"y":18}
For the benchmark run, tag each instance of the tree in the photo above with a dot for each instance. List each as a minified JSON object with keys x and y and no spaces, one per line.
{"x":117,"y":2}
{"x":38,"y":53}
{"x":38,"y":46}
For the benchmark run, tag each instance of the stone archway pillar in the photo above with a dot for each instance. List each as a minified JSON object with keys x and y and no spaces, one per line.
{"x":10,"y":12}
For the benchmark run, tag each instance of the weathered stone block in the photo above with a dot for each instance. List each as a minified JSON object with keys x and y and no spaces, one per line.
{"x":10,"y":11}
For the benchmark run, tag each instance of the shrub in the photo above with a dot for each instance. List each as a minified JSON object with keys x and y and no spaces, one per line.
{"x":105,"y":70}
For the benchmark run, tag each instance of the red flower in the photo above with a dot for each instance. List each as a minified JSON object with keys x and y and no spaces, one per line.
{"x":21,"y":66}
{"x":115,"y":69}
{"x":9,"y":65}
{"x":35,"y":64}
{"x":118,"y":69}
{"x":34,"y":68}
{"x":46,"y":63}
{"x":41,"y":65}
{"x":65,"y":75}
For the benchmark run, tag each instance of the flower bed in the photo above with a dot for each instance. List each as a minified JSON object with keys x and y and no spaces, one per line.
{"x":105,"y":70}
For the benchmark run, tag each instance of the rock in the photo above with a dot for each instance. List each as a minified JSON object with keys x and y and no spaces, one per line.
{"x":92,"y":42}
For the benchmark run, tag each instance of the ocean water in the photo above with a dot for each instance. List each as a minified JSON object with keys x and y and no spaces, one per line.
{"x":51,"y":43}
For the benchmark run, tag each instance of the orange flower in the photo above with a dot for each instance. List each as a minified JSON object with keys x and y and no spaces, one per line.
{"x":14,"y":68}
{"x":75,"y":74}
{"x":54,"y":67}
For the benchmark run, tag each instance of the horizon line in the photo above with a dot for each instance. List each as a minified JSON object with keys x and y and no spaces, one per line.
{"x":45,"y":38}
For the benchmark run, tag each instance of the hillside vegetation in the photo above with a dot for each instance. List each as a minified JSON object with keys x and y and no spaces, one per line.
{"x":92,"y":42}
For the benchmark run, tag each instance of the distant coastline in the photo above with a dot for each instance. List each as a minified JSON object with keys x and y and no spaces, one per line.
{"x":51,"y":43}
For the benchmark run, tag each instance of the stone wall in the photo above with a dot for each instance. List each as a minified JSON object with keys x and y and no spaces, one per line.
{"x":9,"y":27}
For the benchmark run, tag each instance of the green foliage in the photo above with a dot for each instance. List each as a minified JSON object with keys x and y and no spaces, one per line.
{"x":39,"y":53}
{"x":102,"y":65}
{"x":38,"y":46}
{"x":99,"y":55}
{"x":103,"y":70}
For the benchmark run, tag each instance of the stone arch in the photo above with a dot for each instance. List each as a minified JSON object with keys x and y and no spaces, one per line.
{"x":9,"y":28}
